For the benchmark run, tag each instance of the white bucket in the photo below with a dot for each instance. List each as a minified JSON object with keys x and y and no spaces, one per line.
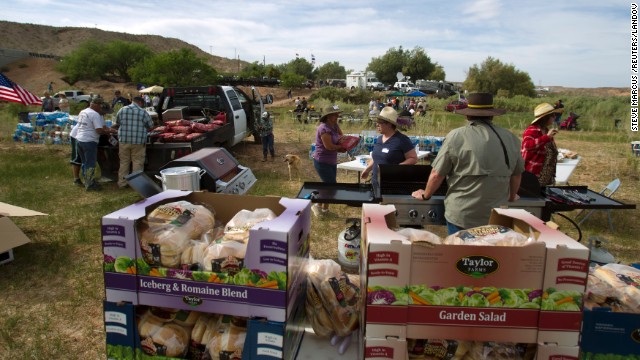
{"x":181,"y":178}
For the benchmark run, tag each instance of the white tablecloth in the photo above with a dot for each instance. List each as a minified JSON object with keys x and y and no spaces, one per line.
{"x":564,"y":169}
{"x":357,"y":165}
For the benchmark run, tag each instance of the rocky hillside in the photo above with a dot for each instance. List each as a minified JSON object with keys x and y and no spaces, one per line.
{"x":60,"y":41}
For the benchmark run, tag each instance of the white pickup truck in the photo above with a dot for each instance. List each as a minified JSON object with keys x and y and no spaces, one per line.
{"x":74,"y":96}
{"x":404,"y":86}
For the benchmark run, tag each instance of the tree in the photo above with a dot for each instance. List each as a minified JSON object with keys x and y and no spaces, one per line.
{"x":331,"y":70}
{"x":493,"y":76}
{"x":298,"y":66}
{"x":253,"y":70}
{"x":291,"y":80}
{"x":85,"y":63}
{"x":175,"y":68}
{"x":121,"y":56}
{"x":437,"y":74}
{"x":415,"y":63}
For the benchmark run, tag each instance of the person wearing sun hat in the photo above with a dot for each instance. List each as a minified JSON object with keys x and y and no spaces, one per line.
{"x":325,"y":158}
{"x":538,"y":145}
{"x":481,"y":163}
{"x":391,"y":147}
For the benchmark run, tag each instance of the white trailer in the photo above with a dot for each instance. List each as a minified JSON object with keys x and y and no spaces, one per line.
{"x":362,"y":80}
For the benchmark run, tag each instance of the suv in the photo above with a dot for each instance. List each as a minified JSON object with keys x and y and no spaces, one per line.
{"x":74,"y":96}
{"x":404,"y":86}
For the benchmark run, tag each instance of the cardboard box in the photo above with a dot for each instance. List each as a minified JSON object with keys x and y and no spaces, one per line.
{"x":264,"y":339}
{"x":12,"y":236}
{"x":451,"y":287}
{"x":385,"y":348}
{"x":565,"y":276}
{"x":610,"y":333}
{"x":385,"y":257}
{"x":554,"y":352}
{"x":280,"y":246}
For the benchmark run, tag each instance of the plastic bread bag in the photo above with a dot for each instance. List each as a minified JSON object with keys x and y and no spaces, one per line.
{"x":430,"y":349}
{"x":237,"y":229}
{"x":193,"y":219}
{"x":229,"y":340}
{"x":488,"y":350}
{"x":163,"y":246}
{"x":224,"y":256}
{"x":170,"y":340}
{"x":419,"y":235}
{"x":625,"y":280}
{"x":332,"y":303}
{"x":488,"y":235}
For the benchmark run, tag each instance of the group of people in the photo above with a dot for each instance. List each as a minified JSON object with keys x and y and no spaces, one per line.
{"x":481,"y":162}
{"x":131,"y":125}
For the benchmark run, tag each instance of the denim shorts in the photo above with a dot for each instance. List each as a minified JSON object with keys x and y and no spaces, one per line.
{"x":75,"y":155}
{"x":328,"y":172}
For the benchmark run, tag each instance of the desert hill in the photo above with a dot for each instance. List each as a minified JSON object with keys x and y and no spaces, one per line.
{"x":35,"y":73}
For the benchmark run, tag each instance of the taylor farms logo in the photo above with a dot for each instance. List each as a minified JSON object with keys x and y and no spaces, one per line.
{"x":477,"y":266}
{"x":192,"y":300}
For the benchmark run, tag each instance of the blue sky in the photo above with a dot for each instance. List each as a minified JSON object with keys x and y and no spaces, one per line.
{"x":558,"y":43}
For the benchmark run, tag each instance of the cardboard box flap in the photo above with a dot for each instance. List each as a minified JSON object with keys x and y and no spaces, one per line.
{"x":12,"y":236}
{"x":11,"y":210}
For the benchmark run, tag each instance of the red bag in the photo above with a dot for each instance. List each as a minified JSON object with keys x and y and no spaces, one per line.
{"x":349,"y":142}
{"x":181,"y":129}
{"x":166,"y":137}
{"x":178,"y":123}
{"x":198,"y":127}
{"x":218,"y":123}
{"x":179,"y":138}
{"x":221,"y":117}
{"x":193,"y":136}
{"x":161,"y":129}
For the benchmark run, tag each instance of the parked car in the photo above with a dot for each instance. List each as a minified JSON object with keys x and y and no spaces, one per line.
{"x":456,"y":105}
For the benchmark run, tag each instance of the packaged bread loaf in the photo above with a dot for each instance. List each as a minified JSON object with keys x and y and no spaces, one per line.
{"x":488,"y":235}
{"x":623,"y":282}
{"x":228,"y":342}
{"x":237,"y":229}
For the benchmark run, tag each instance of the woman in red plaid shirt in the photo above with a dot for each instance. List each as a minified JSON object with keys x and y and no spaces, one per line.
{"x":538,"y":146}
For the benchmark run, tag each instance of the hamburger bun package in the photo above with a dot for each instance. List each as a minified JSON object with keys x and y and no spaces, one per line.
{"x":237,"y":229}
{"x":171,"y":340}
{"x":168,"y":230}
{"x":229,"y":340}
{"x":489,"y":235}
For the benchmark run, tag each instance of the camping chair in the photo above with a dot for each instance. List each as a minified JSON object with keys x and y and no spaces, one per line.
{"x":608,"y":192}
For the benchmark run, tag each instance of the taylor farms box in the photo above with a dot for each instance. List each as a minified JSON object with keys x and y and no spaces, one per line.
{"x":565,"y":279}
{"x":469,"y":292}
{"x":267,"y":282}
{"x":609,"y":335}
{"x":554,"y":352}
{"x":385,"y":257}
{"x":386,"y":348}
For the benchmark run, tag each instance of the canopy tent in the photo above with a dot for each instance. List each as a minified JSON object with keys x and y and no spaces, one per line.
{"x":155,"y":89}
{"x":416,"y":93}
{"x":396,"y":93}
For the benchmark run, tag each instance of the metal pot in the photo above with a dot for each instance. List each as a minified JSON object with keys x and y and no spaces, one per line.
{"x":181,"y":178}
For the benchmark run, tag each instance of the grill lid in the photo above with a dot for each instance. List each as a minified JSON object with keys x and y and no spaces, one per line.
{"x":405,"y":179}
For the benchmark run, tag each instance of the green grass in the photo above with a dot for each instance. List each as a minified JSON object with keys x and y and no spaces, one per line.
{"x":52,"y":293}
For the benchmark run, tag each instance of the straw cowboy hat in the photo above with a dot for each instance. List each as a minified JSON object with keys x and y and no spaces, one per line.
{"x":480,"y":104}
{"x":543,"y":110}
{"x":328,"y":110}
{"x":389,"y":115}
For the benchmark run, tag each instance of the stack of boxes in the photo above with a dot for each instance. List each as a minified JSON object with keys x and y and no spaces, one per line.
{"x":279,"y":246}
{"x":530,"y":279}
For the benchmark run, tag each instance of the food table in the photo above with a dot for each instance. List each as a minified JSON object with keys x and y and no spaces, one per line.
{"x":359,"y":166}
{"x":564,"y":169}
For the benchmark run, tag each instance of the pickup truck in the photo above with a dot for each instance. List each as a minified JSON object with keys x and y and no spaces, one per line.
{"x":74,"y":96}
{"x":404,"y":86}
{"x":233,"y":111}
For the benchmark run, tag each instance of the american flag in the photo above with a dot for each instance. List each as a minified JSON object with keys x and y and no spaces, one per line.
{"x":13,"y":92}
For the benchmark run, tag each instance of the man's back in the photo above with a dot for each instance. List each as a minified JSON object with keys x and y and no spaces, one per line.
{"x":133,"y":123}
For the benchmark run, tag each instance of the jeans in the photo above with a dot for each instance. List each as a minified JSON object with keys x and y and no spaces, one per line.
{"x":452,"y":228}
{"x":267,"y":143}
{"x":89,"y":155}
{"x":328,"y":173}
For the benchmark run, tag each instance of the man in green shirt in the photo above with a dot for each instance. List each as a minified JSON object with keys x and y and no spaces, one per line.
{"x":481,"y":163}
